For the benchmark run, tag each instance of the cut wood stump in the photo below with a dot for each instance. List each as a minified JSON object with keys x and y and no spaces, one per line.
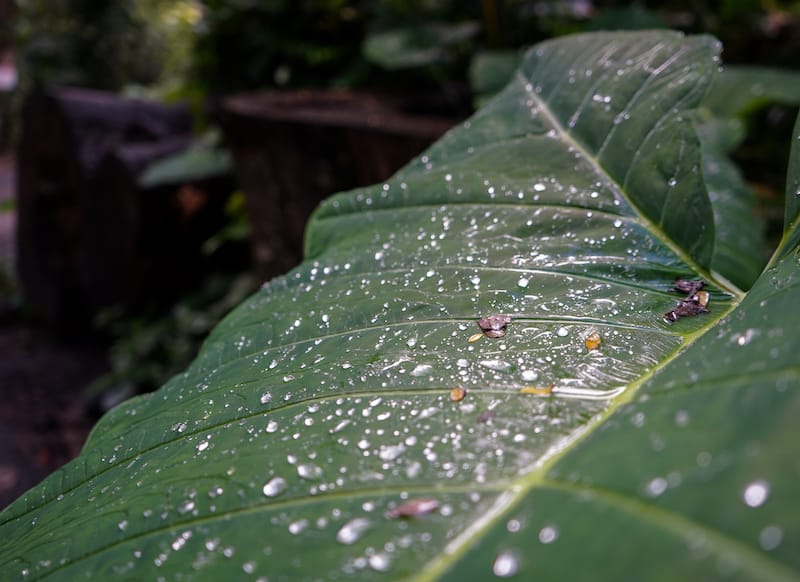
{"x":293,"y":149}
{"x":89,"y":236}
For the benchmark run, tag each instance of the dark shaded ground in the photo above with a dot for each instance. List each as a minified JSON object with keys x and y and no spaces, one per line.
{"x":44,"y":417}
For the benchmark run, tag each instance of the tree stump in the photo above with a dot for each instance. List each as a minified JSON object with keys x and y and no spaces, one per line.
{"x":293,"y":149}
{"x":89,"y":236}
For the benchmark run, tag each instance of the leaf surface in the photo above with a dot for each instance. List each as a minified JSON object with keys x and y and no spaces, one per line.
{"x":323,"y":403}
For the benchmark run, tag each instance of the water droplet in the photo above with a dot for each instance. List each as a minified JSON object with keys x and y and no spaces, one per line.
{"x":562,"y":332}
{"x":682,"y":418}
{"x":513,"y":525}
{"x":249,"y":567}
{"x":340,"y":425}
{"x":272,"y":426}
{"x":422,"y":370}
{"x":274,"y":486}
{"x":298,"y":526}
{"x":186,"y":507}
{"x":123,"y":525}
{"x":380,"y":562}
{"x":309,"y":472}
{"x":179,"y":426}
{"x":266,"y":398}
{"x":548,"y":534}
{"x":496,"y":365}
{"x":770,"y":537}
{"x":505,"y":565}
{"x":350,"y":532}
{"x":756,"y":493}
{"x":530,"y":375}
{"x":745,"y":338}
{"x":202,"y":446}
{"x":656,"y":487}
{"x":523,"y":282}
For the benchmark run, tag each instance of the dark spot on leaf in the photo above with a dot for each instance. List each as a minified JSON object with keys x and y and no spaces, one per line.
{"x":494,"y":325}
{"x":413,"y":508}
{"x":485,"y":416}
{"x":457,"y":394}
{"x":695,"y":303}
{"x":688,"y":287}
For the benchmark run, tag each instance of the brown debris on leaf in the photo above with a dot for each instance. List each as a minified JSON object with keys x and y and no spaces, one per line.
{"x":593,"y":341}
{"x":695,"y":303}
{"x":494,"y":325}
{"x":413,"y":508}
{"x":457,"y":394}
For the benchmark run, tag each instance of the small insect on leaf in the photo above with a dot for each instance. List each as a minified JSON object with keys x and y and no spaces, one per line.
{"x":593,"y":341}
{"x":541,"y":391}
{"x":475,"y":337}
{"x":695,"y":303}
{"x":413,"y":508}
{"x":688,"y":287}
{"x":494,"y":325}
{"x":457,"y":394}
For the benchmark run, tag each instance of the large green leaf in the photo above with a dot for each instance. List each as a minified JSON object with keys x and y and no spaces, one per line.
{"x":570,"y":203}
{"x":741,"y":88}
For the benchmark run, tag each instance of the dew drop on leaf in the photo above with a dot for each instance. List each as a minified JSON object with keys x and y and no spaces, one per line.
{"x":770,"y":537}
{"x":505,"y":565}
{"x":380,"y":562}
{"x":309,"y":472}
{"x":756,"y":493}
{"x":548,"y":534}
{"x":656,"y":487}
{"x":350,"y":532}
{"x":274,"y":486}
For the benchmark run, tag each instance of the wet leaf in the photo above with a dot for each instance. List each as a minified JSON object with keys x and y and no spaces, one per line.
{"x":571,"y":202}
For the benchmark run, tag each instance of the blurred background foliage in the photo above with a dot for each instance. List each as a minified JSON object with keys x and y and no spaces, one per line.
{"x":465,"y":51}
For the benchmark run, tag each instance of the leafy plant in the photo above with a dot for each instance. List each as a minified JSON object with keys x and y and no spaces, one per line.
{"x":320,"y":435}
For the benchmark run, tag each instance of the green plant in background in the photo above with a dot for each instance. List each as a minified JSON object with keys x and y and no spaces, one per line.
{"x":81,"y":43}
{"x":354,"y":419}
{"x":147,"y":351}
{"x":252,"y":44}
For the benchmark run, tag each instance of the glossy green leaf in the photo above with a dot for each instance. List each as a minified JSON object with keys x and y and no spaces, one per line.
{"x":321,"y":408}
{"x":417,"y":46}
{"x":490,"y":72}
{"x":793,"y":187}
{"x":739,"y":89}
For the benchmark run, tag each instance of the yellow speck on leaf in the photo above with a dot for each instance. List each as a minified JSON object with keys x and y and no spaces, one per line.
{"x":543,"y":391}
{"x":475,"y":337}
{"x":593,"y":341}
